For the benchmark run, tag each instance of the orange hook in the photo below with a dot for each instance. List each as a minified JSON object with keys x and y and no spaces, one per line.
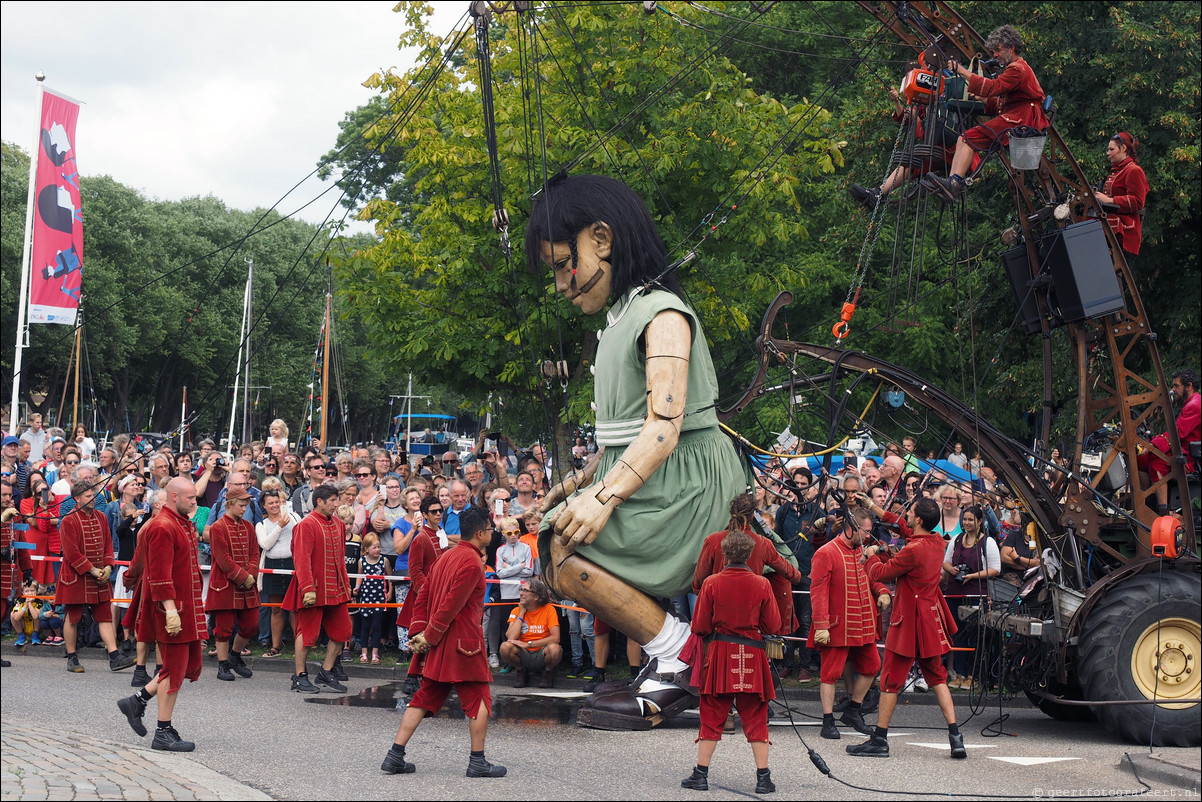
{"x":841,"y":328}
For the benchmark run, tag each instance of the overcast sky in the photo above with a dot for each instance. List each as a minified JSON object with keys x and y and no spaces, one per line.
{"x":236,"y":100}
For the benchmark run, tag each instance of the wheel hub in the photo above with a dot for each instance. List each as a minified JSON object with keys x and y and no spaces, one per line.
{"x":1165,"y":660}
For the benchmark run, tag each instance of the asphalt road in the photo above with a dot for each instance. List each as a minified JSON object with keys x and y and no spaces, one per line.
{"x":295,"y":747}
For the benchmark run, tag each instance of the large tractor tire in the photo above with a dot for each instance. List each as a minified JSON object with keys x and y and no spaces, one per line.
{"x":1143,"y":641}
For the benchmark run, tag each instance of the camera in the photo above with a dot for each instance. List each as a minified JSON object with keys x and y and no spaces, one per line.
{"x":220,"y":462}
{"x":961,"y":573}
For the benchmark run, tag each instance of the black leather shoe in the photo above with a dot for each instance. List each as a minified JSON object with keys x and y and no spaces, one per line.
{"x":479,"y":767}
{"x":957,"y":742}
{"x":523,"y":678}
{"x":855,"y":720}
{"x":396,"y":764}
{"x":140,"y":678}
{"x":876,"y":746}
{"x":868,"y":198}
{"x":326,"y":681}
{"x":696,"y":781}
{"x":841,"y":704}
{"x":134,"y":708}
{"x":830,"y":731}
{"x":168,"y":740}
{"x":73,"y":664}
{"x":223,"y":671}
{"x":764,"y":784}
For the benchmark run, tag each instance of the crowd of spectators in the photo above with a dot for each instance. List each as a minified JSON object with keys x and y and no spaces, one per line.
{"x":385,"y":498}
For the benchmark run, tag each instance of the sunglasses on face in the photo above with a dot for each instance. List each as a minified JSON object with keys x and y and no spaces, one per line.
{"x":434,"y":511}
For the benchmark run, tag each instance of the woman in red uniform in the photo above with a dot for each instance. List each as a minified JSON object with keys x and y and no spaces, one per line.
{"x":1126,"y":189}
{"x":735,"y":610}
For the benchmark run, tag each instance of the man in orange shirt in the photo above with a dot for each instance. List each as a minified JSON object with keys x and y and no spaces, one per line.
{"x":532,"y":640}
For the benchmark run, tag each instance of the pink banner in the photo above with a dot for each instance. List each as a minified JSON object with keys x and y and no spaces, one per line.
{"x":56,"y":277}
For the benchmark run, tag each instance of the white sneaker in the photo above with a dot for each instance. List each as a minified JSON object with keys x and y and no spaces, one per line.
{"x":920,"y":683}
{"x":494,"y":662}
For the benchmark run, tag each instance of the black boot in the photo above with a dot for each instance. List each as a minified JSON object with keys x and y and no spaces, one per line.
{"x":140,"y":678}
{"x":593,"y":679}
{"x":829,"y":730}
{"x":854,"y":718}
{"x":876,"y":746}
{"x":411,"y":685}
{"x":957,"y":742}
{"x":763,"y":782}
{"x":872,"y":700}
{"x":134,"y":708}
{"x":394,"y":762}
{"x":239,"y":666}
{"x":523,"y":678}
{"x":698,"y":780}
{"x":168,"y":740}
{"x":223,"y":671}
{"x":338,"y":671}
{"x":477,"y":766}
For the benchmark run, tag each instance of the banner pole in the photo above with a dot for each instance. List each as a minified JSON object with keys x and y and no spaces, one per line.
{"x":26,"y":257}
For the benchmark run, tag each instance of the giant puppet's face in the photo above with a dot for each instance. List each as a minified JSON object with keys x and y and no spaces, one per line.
{"x":589,"y":281}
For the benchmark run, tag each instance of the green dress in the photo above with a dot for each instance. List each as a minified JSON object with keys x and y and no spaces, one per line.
{"x":653,"y":538}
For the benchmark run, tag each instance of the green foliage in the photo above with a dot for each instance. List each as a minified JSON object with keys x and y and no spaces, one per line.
{"x":163,"y":287}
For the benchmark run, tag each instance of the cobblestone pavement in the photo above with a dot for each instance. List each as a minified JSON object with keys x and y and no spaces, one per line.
{"x":43,"y":764}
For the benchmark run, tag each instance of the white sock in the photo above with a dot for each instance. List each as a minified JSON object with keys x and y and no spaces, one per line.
{"x":668,"y":644}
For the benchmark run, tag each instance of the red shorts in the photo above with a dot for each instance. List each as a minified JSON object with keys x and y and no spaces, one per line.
{"x":897,"y":670}
{"x":432,"y":695}
{"x":247,"y":621}
{"x":178,"y":661}
{"x":983,"y":137}
{"x":102,"y":612}
{"x":308,"y":621}
{"x":1154,"y":466}
{"x":753,"y":712}
{"x":600,"y":627}
{"x":865,"y":659}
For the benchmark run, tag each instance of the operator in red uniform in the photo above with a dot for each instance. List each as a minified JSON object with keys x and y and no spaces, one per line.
{"x":845,"y":620}
{"x":1126,"y":189}
{"x":1189,"y":429}
{"x":1015,"y":97}
{"x":784,"y":574}
{"x":446,"y":620}
{"x":424,"y":550}
{"x":921,"y":626}
{"x":83,"y":579}
{"x":233,"y":597}
{"x":735,"y":610}
{"x":171,"y":612}
{"x":319,"y":591}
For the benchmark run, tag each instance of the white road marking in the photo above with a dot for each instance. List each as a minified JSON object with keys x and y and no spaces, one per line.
{"x":944,"y":745}
{"x":1031,"y":761}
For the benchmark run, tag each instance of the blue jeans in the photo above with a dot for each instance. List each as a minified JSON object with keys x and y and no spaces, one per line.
{"x":580,"y":627}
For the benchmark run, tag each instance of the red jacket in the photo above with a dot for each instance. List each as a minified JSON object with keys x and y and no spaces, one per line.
{"x":1128,"y":186}
{"x":921,"y":624}
{"x":1015,"y":95}
{"x":782,"y":578}
{"x":87,"y":543}
{"x":319,"y":559}
{"x":172,"y":574}
{"x":235,"y":557}
{"x":842,"y":596}
{"x":10,"y":570}
{"x":736,"y":602}
{"x":423,"y":552}
{"x":449,"y":612}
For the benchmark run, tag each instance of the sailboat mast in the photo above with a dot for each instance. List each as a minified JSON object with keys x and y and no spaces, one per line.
{"x":78,"y":359}
{"x":250,"y":280}
{"x":325,"y":375}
